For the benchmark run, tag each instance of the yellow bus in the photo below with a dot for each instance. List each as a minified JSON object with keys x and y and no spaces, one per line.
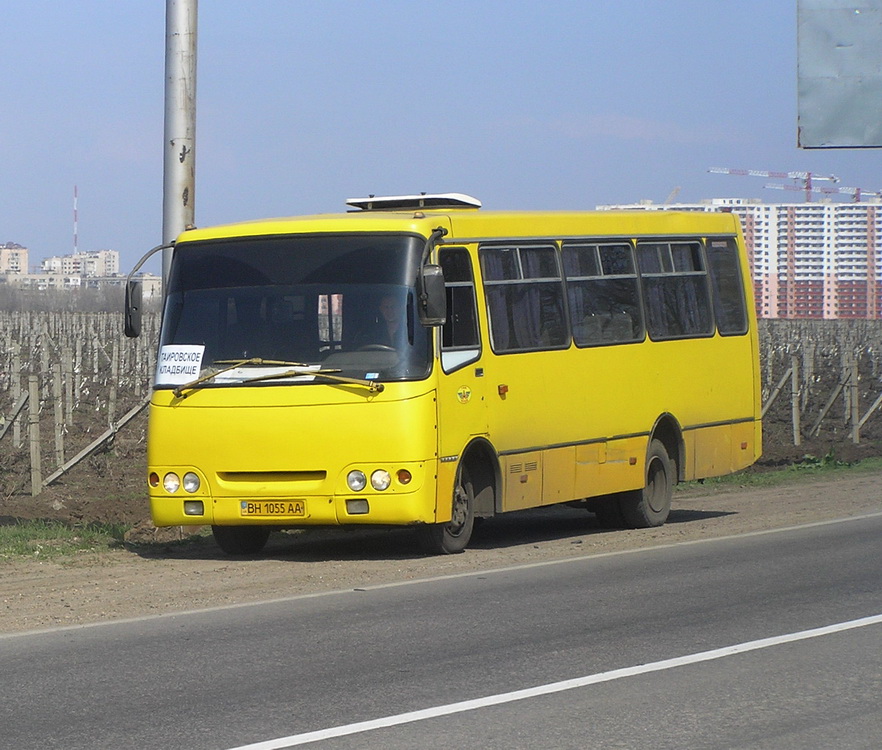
{"x":417,"y":360}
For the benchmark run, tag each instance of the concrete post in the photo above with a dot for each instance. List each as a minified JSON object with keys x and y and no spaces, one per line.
{"x":179,"y":163}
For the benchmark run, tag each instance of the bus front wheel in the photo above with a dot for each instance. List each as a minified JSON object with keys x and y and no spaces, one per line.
{"x":453,"y":537}
{"x":241,"y":540}
{"x":643,"y":509}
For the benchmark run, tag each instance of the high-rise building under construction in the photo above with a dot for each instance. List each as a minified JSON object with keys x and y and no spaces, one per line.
{"x":809,"y":260}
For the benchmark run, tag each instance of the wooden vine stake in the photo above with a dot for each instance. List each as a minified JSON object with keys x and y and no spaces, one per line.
{"x":34,"y":433}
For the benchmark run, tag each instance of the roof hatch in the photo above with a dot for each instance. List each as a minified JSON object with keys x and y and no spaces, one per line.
{"x":412,"y":202}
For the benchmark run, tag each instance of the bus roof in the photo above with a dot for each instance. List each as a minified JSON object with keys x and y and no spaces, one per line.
{"x":464,"y":223}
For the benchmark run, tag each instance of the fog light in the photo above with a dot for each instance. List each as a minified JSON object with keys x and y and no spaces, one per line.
{"x":357,"y":506}
{"x":193,"y":508}
{"x":171,"y":482}
{"x":191,"y":482}
{"x":380,"y":480}
{"x":356,"y":480}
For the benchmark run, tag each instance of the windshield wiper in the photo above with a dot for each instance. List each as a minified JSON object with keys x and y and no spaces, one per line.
{"x":302,"y":369}
{"x":371,"y":385}
{"x":233,"y":364}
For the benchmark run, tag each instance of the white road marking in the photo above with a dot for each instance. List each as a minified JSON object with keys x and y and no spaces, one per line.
{"x":555,"y":687}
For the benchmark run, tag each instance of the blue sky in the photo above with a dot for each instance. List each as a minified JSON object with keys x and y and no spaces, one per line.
{"x":545,"y":105}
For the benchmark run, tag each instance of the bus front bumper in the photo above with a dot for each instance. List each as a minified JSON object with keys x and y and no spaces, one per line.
{"x":393,"y":509}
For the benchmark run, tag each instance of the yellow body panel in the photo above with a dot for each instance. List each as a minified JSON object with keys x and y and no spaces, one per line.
{"x":298,"y":442}
{"x":561,"y":425}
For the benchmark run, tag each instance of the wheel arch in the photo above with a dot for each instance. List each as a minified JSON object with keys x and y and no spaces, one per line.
{"x":484,"y":471}
{"x":667,"y":430}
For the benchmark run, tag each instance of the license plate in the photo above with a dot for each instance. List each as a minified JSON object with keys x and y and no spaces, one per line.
{"x":272,"y":508}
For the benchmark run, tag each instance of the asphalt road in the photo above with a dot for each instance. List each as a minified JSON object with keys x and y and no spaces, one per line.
{"x":627,"y":650}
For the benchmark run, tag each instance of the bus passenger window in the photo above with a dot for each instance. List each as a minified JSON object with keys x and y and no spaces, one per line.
{"x":524,"y":292}
{"x":675,"y":290}
{"x":603,"y":294}
{"x":460,"y":340}
{"x":729,"y":305}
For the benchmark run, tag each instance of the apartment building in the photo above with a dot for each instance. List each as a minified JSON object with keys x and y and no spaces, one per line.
{"x":809,"y":260}
{"x":88,"y":270}
{"x":87,"y":264}
{"x":13,"y":258}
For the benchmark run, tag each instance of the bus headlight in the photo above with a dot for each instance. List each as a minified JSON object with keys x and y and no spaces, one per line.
{"x":356,"y":480}
{"x":380,"y":480}
{"x":191,"y":482}
{"x":171,"y":482}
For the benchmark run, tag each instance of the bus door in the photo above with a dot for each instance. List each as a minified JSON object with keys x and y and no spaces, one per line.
{"x":462,"y":411}
{"x":531,"y":404}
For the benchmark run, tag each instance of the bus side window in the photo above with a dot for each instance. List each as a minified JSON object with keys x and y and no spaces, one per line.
{"x":725,"y":271}
{"x":460,"y":339}
{"x":603,"y":294}
{"x":675,"y":290}
{"x":525,"y":301}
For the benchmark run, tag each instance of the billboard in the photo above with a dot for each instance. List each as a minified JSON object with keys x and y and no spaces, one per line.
{"x":839,"y":71}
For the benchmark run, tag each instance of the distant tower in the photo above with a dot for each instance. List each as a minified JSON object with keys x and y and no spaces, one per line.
{"x":75,"y":220}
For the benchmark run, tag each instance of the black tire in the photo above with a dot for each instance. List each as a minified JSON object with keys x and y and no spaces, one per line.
{"x":241,"y":540}
{"x":453,"y":537}
{"x":650,"y":506}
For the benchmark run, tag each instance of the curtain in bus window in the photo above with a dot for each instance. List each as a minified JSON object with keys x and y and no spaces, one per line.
{"x":580,"y":260}
{"x":729,"y":305}
{"x":524,"y":293}
{"x":553,"y":330}
{"x":686,"y":257}
{"x":603,"y":294}
{"x":675,"y":289}
{"x":677,"y":306}
{"x":515,"y":317}
{"x":617,"y":260}
{"x":500,"y":264}
{"x":654,"y":257}
{"x":526,"y":317}
{"x":605,"y":311}
{"x":539,"y":263}
{"x":500,"y":331}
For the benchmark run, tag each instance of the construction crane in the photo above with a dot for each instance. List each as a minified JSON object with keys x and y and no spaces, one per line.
{"x":673,"y":194}
{"x":806,"y":179}
{"x":856,"y":193}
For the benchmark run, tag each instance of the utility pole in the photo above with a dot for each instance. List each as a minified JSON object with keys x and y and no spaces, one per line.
{"x":76,"y":240}
{"x":179,"y":157}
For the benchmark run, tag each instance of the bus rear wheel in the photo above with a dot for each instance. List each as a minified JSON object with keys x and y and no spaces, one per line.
{"x":453,"y":537}
{"x":650,"y":506}
{"x":241,"y":540}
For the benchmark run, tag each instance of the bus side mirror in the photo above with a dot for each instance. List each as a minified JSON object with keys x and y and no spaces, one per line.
{"x":433,"y":296}
{"x":134,"y":294}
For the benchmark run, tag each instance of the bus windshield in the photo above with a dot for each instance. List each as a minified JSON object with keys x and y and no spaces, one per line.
{"x":342,"y":303}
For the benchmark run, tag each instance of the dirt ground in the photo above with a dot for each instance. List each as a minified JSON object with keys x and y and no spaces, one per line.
{"x":154,"y":579}
{"x":110,"y":486}
{"x":156,"y":573}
